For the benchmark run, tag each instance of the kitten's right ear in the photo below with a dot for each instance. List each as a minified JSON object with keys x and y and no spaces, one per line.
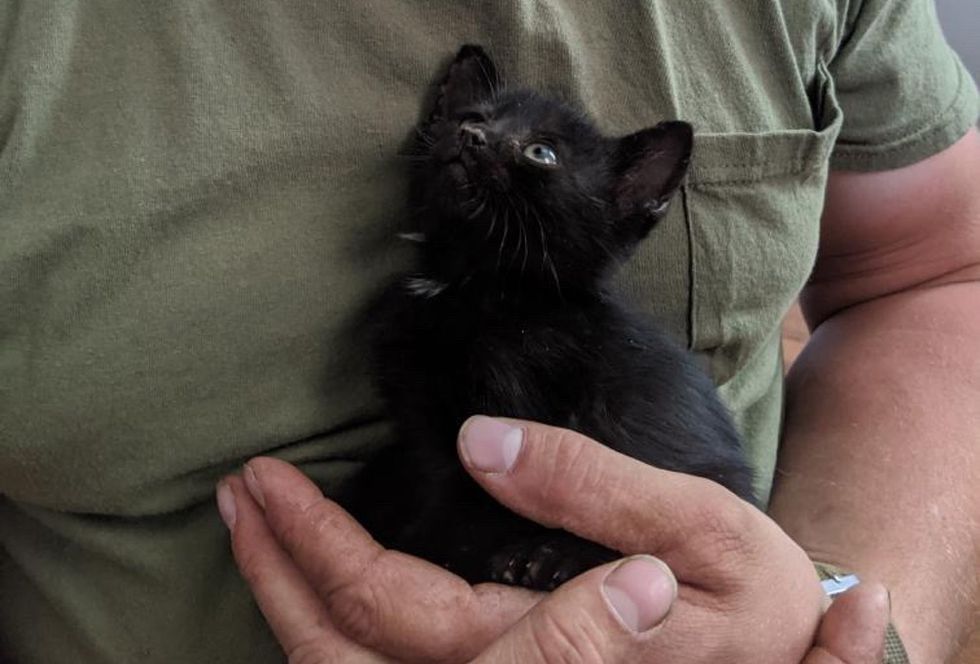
{"x":471,"y":78}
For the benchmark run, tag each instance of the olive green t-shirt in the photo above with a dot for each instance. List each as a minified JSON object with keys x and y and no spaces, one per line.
{"x":198,"y":197}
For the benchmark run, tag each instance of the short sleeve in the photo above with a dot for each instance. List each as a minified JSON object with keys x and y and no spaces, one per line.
{"x":905,"y":94}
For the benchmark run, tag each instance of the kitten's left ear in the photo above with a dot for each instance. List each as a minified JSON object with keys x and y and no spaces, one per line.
{"x":472,"y":77}
{"x":651,"y":165}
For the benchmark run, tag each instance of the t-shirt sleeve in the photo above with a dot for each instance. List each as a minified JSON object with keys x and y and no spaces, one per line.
{"x":905,"y":94}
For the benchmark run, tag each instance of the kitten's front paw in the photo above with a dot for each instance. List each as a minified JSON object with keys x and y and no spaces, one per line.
{"x":544,"y":562}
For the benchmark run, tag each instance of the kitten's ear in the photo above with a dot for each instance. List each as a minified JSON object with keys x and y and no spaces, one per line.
{"x":651,"y":164}
{"x":472,"y":77}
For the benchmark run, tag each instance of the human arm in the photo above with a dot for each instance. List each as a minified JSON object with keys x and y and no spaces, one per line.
{"x":880,"y":460}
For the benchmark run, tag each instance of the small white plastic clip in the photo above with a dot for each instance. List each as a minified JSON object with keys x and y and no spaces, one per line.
{"x":838,"y":584}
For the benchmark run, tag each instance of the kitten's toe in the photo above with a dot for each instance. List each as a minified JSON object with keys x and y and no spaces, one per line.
{"x":508,"y":564}
{"x":566,"y":569}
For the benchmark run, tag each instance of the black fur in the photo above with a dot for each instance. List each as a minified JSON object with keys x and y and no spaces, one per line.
{"x":509,"y":315}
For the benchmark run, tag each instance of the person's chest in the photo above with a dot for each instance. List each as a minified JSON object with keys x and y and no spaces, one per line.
{"x":197,"y":202}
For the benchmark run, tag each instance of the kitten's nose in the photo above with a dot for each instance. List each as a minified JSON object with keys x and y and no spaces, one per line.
{"x":473,"y":135}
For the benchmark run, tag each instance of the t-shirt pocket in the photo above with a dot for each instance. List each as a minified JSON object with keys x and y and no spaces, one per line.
{"x":750,"y":216}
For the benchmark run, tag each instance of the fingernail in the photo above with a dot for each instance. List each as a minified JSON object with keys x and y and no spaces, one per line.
{"x":226,"y":505}
{"x":640,"y":592}
{"x":489,"y":445}
{"x":252,"y":484}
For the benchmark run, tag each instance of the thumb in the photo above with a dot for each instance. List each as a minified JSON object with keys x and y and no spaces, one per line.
{"x":853,"y":629}
{"x":600,"y":616}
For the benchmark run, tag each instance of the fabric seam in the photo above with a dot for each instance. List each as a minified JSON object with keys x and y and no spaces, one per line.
{"x":902,"y":143}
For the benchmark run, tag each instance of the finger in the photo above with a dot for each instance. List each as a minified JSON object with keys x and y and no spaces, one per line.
{"x":563,"y":479}
{"x":290,"y":606}
{"x":853,"y":629}
{"x":605,"y":615}
{"x":388,"y":601}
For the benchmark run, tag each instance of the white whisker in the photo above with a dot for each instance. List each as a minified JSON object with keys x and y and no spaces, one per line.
{"x":422,"y":287}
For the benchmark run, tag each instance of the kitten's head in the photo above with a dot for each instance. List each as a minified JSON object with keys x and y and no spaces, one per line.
{"x":521,"y":190}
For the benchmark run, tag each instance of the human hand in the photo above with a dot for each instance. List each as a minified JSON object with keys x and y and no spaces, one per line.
{"x":745,"y":592}
{"x":331,"y":593}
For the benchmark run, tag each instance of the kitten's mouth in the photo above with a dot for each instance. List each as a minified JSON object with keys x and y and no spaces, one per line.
{"x":458,"y":171}
{"x":465,"y":169}
{"x":464,"y":158}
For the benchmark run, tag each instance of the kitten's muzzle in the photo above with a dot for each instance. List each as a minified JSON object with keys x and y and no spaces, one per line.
{"x":478,"y":156}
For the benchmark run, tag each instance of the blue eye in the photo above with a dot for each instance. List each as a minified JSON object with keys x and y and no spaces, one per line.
{"x":541,"y":155}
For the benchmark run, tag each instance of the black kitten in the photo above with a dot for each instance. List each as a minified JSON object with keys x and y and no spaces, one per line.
{"x":525,"y":210}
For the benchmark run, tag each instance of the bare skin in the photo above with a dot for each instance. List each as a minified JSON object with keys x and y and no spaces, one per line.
{"x":880,"y":461}
{"x":332,"y":594}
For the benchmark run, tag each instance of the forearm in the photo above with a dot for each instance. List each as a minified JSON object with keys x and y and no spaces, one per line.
{"x":880,"y":465}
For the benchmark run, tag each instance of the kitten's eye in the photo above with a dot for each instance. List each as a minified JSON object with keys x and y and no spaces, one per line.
{"x":541,"y":154}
